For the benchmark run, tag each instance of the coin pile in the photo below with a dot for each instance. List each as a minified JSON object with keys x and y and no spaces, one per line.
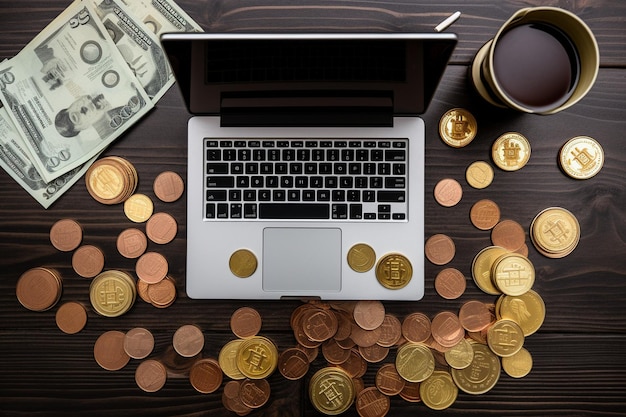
{"x":555,"y":232}
{"x":39,"y":289}
{"x":111,"y":180}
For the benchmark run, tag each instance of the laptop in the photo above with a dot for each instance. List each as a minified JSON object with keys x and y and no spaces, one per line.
{"x":306,"y":162}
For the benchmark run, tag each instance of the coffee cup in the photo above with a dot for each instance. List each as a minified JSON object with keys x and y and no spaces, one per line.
{"x":542,"y":60}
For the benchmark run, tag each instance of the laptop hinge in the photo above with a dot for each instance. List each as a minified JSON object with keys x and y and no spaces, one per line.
{"x":298,"y":109}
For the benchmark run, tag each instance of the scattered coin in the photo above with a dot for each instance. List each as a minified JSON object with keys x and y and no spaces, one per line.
{"x":163,"y":293}
{"x":66,"y":235}
{"x":132,"y":243}
{"x":39,"y":289}
{"x":245,"y":322}
{"x":581,"y":157}
{"x":109,"y":351}
{"x":161,"y":228}
{"x":374,"y":353}
{"x":138,"y":343}
{"x":168,"y":186}
{"x":555,"y":232}
{"x":481,"y":268}
{"x":485,"y":214}
{"x":112,"y":293}
{"x":391,"y":331}
{"x":446,"y":329}
{"x":508,"y":234}
{"x":71,"y":317}
{"x":439,"y":249}
{"x":439,"y":392}
{"x":482,"y":374}
{"x":475,"y":316}
{"x":151,"y":267}
{"x":111,"y":180}
{"x":416,"y":327}
{"x":138,"y":208}
{"x":293,"y":364}
{"x":457,"y":127}
{"x":227,"y":359}
{"x":511,"y":151}
{"x":88,"y":261}
{"x":513,"y":274}
{"x":388,"y":380}
{"x":254,"y":393}
{"x":206,"y":375}
{"x":231,"y":399}
{"x":257,"y":357}
{"x":460,"y":356}
{"x":150,"y":375}
{"x":450,"y":283}
{"x":243,"y":263}
{"x":505,"y":338}
{"x":528,"y":310}
{"x":361,"y":257}
{"x":415,"y":362}
{"x":369,"y":314}
{"x":331,"y":391}
{"x":188,"y":341}
{"x":518,"y":365}
{"x":394,"y":271}
{"x":448,"y":192}
{"x":479,"y":174}
{"x":372,"y":402}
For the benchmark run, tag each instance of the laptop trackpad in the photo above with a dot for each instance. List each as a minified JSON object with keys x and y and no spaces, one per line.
{"x":298,"y":261}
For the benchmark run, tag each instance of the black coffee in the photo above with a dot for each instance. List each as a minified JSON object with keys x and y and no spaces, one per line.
{"x":536,"y":65}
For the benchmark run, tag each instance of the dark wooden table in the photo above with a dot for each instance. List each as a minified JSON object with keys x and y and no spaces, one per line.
{"x":579,"y":367}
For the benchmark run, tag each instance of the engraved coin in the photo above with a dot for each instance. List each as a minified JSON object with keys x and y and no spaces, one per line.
{"x":511,"y":151}
{"x":109,"y":351}
{"x":369,"y":314}
{"x":416,"y":327}
{"x":361,"y":257}
{"x":394,"y":271}
{"x":71,"y":317}
{"x":446,"y":329}
{"x":293,"y":364}
{"x":411,"y":392}
{"x":518,"y":365}
{"x":112,"y":293}
{"x":206,"y":375}
{"x":38,"y":289}
{"x":415,"y":362}
{"x":370,"y":402}
{"x":513,"y":274}
{"x":231,"y":399}
{"x":162,"y":294}
{"x":257,"y":357}
{"x":479,"y":175}
{"x":138,"y":343}
{"x":138,"y":208}
{"x":450,"y":283}
{"x":439,"y":249}
{"x":66,"y":235}
{"x":245,"y":322}
{"x":188,"y":341}
{"x":243,"y":263}
{"x":254,"y":393}
{"x":374,"y":353}
{"x":334,"y":353}
{"x":227,"y":359}
{"x":475,"y":316}
{"x":448,"y":192}
{"x":460,"y":356}
{"x":319,"y":325}
{"x":132,"y":243}
{"x":528,"y":310}
{"x":508,"y":234}
{"x":388,"y":380}
{"x":439,"y":392}
{"x":555,"y":232}
{"x":481,"y":268}
{"x":88,"y":261}
{"x":505,"y":338}
{"x":111,"y":180}
{"x":151,"y":267}
{"x":331,"y":391}
{"x":168,"y":186}
{"x":161,"y":228}
{"x":150,"y":375}
{"x":457,"y":127}
{"x":581,"y":157}
{"x":482,"y":374}
{"x":485,"y":214}
{"x":391,"y":331}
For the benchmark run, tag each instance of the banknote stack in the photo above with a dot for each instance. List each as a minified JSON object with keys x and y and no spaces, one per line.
{"x":81,"y":83}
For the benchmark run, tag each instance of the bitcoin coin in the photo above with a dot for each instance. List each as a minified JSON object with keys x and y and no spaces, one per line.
{"x":481,"y":375}
{"x":111,"y":180}
{"x":361,"y":257}
{"x":394,"y":271}
{"x":415,"y":362}
{"x":518,"y":365}
{"x":257,"y":357}
{"x":438,"y":392}
{"x":331,"y":391}
{"x":227,"y":359}
{"x":479,"y":175}
{"x":138,"y":208}
{"x":112,"y":293}
{"x":457,"y":127}
{"x":555,"y":232}
{"x":511,"y":151}
{"x":513,"y":274}
{"x":581,"y":157}
{"x":243,"y":263}
{"x":505,"y":338}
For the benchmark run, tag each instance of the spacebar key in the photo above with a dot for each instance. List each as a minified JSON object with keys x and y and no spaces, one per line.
{"x":293,"y":211}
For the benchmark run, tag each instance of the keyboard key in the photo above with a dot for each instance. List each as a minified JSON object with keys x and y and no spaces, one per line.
{"x":294,"y":211}
{"x":340,"y":211}
{"x":391,"y":197}
{"x":216,"y":195}
{"x":250,"y":211}
{"x":222,"y":211}
{"x":220,"y":182}
{"x":356,"y":211}
{"x":217,"y":168}
{"x":395,"y":155}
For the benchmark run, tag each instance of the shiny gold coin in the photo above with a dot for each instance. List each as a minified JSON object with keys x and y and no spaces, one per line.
{"x":243,"y":263}
{"x":511,"y":151}
{"x":112,"y":293}
{"x":519,"y":365}
{"x":168,"y":186}
{"x":108,"y":351}
{"x":415,"y":362}
{"x":331,"y":391}
{"x":438,"y":392}
{"x":71,"y":317}
{"x":457,"y":127}
{"x":361,"y":257}
{"x":528,"y":310}
{"x":479,"y":175}
{"x":150,"y":375}
{"x":448,"y":192}
{"x":460,"y":356}
{"x":111,"y":180}
{"x":481,"y":268}
{"x":227,"y":359}
{"x":39,"y":289}
{"x":505,"y":338}
{"x":482,"y":374}
{"x":138,"y":208}
{"x":394,"y":271}
{"x":513,"y":274}
{"x":66,"y":235}
{"x":581,"y":157}
{"x":257,"y":357}
{"x":555,"y":232}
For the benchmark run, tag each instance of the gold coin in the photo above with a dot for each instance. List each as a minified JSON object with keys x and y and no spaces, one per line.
{"x":138,"y":208}
{"x":511,"y":151}
{"x":460,"y":356}
{"x":481,"y":268}
{"x":581,"y":157}
{"x":513,"y":274}
{"x":331,"y":391}
{"x":528,"y":310}
{"x":439,"y":392}
{"x":482,"y":374}
{"x":479,"y":175}
{"x":505,"y":338}
{"x":457,"y":127}
{"x":227,"y":359}
{"x":394,"y":271}
{"x":257,"y":357}
{"x":361,"y":257}
{"x":105,"y":182}
{"x":415,"y":362}
{"x":555,"y":232}
{"x":112,"y":293}
{"x":243,"y":263}
{"x":518,"y":365}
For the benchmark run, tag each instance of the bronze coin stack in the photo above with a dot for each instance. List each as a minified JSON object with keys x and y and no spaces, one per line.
{"x":111,"y":180}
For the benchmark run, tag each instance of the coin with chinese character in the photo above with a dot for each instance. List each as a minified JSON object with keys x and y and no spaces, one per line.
{"x":331,"y":391}
{"x":457,"y":127}
{"x":257,"y":357}
{"x":112,"y":293}
{"x":511,"y":151}
{"x":394,"y":271}
{"x":581,"y":157}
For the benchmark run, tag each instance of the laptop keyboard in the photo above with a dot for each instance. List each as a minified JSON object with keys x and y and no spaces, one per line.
{"x":306,"y":179}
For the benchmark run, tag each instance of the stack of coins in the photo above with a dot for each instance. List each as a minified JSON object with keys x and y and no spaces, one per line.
{"x":112,"y":293}
{"x":555,"y":232}
{"x":111,"y":180}
{"x":161,"y":294}
{"x":39,"y":289}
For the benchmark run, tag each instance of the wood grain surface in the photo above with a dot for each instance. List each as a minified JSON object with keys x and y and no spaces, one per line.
{"x":579,"y":367}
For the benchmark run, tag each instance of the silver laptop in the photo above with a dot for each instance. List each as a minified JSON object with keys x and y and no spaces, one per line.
{"x":306,"y":162}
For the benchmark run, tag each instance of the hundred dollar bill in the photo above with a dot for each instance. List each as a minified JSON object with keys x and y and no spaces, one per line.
{"x":140,"y":48}
{"x":70,"y":93}
{"x":15,"y":160}
{"x":162,"y":16}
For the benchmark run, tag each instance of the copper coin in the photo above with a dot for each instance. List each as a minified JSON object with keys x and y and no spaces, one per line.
{"x":440,"y":249}
{"x":88,"y":261}
{"x":391,"y":331}
{"x":485,"y":214}
{"x":334,"y":353}
{"x":150,"y":375}
{"x":508,"y":234}
{"x":293,"y":363}
{"x":142,"y":291}
{"x":66,"y":235}
{"x":411,"y":392}
{"x":71,"y":317}
{"x":254,"y":393}
{"x":355,"y":366}
{"x":374,"y":353}
{"x":151,"y":267}
{"x":206,"y":375}
{"x":245,"y":322}
{"x":475,"y":316}
{"x":388,"y":380}
{"x":447,"y":329}
{"x":319,"y":325}
{"x":344,"y":325}
{"x":364,"y":337}
{"x":448,"y":192}
{"x":138,"y":343}
{"x":231,"y":400}
{"x":168,"y":186}
{"x":372,"y":403}
{"x":109,"y":351}
{"x":416,"y":327}
{"x":450,"y":283}
{"x":369,"y":314}
{"x":38,"y":289}
{"x":132,"y":243}
{"x":188,"y":341}
{"x":161,"y":228}
{"x":163,"y":293}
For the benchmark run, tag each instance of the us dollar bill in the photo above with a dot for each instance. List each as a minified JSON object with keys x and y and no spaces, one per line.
{"x":140,"y":48}
{"x":70,"y":93}
{"x":15,"y":160}
{"x":162,"y":16}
